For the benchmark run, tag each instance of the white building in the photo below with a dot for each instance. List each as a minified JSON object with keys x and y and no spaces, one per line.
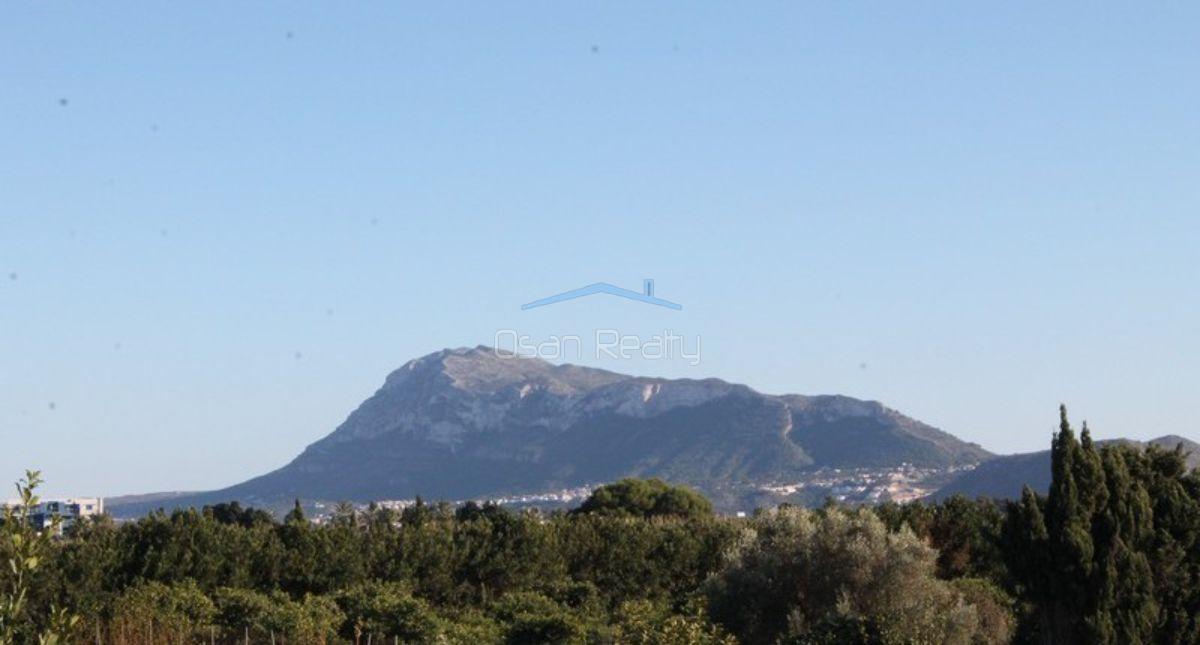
{"x":68,"y":510}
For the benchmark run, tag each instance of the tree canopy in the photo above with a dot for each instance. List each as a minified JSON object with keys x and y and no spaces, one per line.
{"x":1110,"y":555}
{"x":647,"y":498}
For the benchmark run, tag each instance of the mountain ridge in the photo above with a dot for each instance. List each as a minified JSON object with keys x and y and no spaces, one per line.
{"x":1005,"y":476}
{"x":471,"y":422}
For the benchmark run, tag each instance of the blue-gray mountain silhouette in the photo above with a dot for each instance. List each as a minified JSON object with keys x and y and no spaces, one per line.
{"x":1006,"y":476}
{"x":469,"y":423}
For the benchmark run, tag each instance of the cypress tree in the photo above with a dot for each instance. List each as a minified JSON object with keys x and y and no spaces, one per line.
{"x":1175,"y":552}
{"x":1099,"y":582}
{"x":1125,"y":535}
{"x":1093,"y":498}
{"x":1070,"y":540}
{"x":296,"y":515}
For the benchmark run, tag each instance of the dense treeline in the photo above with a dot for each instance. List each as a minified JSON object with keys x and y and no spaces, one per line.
{"x":1110,"y":556}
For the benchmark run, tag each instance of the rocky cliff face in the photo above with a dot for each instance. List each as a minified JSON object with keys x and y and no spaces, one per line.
{"x":465,"y":423}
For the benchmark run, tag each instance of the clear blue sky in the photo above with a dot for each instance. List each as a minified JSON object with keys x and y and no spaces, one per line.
{"x":221,"y":225}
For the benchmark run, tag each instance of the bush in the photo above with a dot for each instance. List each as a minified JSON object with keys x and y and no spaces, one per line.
{"x":315,"y":619}
{"x":386,"y":609}
{"x":531,"y":618}
{"x":157,"y":612}
{"x":243,"y":613}
{"x":645,"y":623}
{"x":802,"y":576}
{"x":993,"y":608}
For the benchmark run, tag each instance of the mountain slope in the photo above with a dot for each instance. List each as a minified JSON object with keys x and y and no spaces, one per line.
{"x":1006,"y":476}
{"x":468,"y":423}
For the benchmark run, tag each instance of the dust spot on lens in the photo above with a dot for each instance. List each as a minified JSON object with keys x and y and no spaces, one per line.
{"x":53,"y":405}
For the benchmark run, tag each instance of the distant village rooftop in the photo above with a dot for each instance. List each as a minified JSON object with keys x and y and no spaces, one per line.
{"x":68,"y":510}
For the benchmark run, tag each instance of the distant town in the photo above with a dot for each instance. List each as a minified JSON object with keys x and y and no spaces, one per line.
{"x":903,"y":483}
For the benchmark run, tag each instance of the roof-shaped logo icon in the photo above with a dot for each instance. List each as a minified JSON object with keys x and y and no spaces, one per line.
{"x":646,"y":295}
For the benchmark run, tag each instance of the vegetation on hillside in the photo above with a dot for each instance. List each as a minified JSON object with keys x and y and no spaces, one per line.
{"x":1110,"y":555}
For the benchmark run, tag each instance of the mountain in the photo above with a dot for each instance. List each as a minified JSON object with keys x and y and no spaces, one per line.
{"x":471,"y":423}
{"x":1006,"y":476}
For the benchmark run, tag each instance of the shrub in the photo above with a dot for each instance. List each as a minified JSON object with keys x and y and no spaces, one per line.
{"x":157,"y":612}
{"x":802,"y":576}
{"x":386,"y":609}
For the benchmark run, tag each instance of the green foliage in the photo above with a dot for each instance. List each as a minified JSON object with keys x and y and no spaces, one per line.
{"x":647,"y":498}
{"x":167,"y":612}
{"x":243,"y":612}
{"x":314,"y":619}
{"x":966,"y":533}
{"x":234,"y":513}
{"x":24,"y":550}
{"x":642,"y":622}
{"x":531,"y":618}
{"x":296,"y":515}
{"x":387,"y":610}
{"x":470,"y":627}
{"x":806,"y":576}
{"x":1111,"y":555}
{"x":631,"y":559}
{"x":993,"y":608}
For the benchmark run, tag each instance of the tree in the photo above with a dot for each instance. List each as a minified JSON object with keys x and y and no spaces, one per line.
{"x":1105,"y":557}
{"x":641,"y":622}
{"x":24,"y":550}
{"x":1070,"y":593}
{"x":157,"y":612}
{"x":386,"y":610}
{"x":314,"y":619}
{"x":647,"y":498}
{"x":296,"y":515}
{"x":234,"y":513}
{"x":531,"y":619}
{"x":243,"y":613}
{"x":1025,"y":543}
{"x":803,"y":576}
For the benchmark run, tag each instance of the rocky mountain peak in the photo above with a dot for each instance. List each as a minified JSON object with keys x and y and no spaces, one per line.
{"x":1171,"y":440}
{"x":471,"y":422}
{"x":485,"y":370}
